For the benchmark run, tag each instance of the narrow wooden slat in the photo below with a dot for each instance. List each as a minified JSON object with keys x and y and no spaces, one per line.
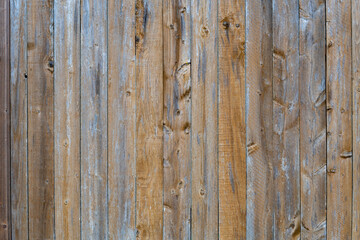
{"x":286,"y":119}
{"x":259,"y":56}
{"x":18,"y":95}
{"x":177,"y":114}
{"x":94,"y":205}
{"x":232,"y":126}
{"x":121,"y":118}
{"x":312,"y":119}
{"x":204,"y":120}
{"x":149,"y":119}
{"x":356,"y":118}
{"x":5,"y":225}
{"x":67,"y":118}
{"x":40,"y":119}
{"x":339,"y":126}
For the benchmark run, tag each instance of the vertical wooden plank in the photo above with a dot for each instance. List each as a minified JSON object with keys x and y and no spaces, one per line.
{"x":204,"y":120}
{"x":5,"y":121}
{"x":67,"y":118}
{"x":121,"y":117}
{"x":259,"y":58}
{"x":94,"y":206}
{"x":286,"y":119}
{"x":18,"y":95}
{"x":232,"y":126}
{"x":339,"y":132}
{"x":40,"y":120}
{"x":312,"y":119}
{"x":356,"y":118}
{"x":149,"y":119}
{"x":177,"y":114}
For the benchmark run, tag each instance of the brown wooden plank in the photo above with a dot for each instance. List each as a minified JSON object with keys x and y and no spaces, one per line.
{"x":339,"y":133}
{"x":312,"y":119}
{"x":149,"y":119}
{"x":121,"y":119}
{"x":286,"y":119}
{"x":94,"y":207}
{"x":67,"y":119}
{"x":5,"y":225}
{"x":259,"y":56}
{"x":232,"y":125}
{"x":18,"y":95}
{"x":204,"y":120}
{"x":40,"y":119}
{"x":356,"y":118}
{"x":177,"y":114}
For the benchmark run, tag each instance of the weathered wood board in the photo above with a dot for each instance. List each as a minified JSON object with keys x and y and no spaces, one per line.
{"x":179,"y":119}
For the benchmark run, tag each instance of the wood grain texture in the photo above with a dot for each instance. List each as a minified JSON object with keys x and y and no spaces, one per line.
{"x":19,"y":116}
{"x":286,"y":119}
{"x":67,"y":118}
{"x":5,"y":225}
{"x":259,"y":56}
{"x":149,"y":119}
{"x":312,"y":119}
{"x":41,"y":119}
{"x":121,"y":119}
{"x":232,"y":125}
{"x":94,"y":70}
{"x":339,"y":125}
{"x":177,"y":117}
{"x":356,"y":118}
{"x":205,"y":191}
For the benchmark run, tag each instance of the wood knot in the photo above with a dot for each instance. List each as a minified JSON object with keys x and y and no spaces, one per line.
{"x":202,"y":192}
{"x":226,"y":24}
{"x":204,"y":31}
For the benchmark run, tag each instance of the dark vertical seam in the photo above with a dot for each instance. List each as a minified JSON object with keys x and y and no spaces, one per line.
{"x":352,"y":117}
{"x":27,"y":118}
{"x":246,"y":108}
{"x":163,"y":115}
{"x":80,"y":174}
{"x":217,"y":115}
{"x":107,"y":120}
{"x":326,"y":114}
{"x":191,"y":129}
{"x":135,"y":121}
{"x":53,"y":122}
{"x":272,"y":113}
{"x":299,"y":106}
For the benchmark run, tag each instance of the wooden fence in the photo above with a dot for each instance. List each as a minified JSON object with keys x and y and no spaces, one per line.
{"x":179,"y":119}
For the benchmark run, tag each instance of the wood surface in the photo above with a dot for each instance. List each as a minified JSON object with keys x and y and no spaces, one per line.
{"x":19,"y":118}
{"x":231,"y":120}
{"x":177,"y":118}
{"x":339,"y":120}
{"x":5,"y":225}
{"x":149,"y":119}
{"x":286,"y":120}
{"x":67,"y":118}
{"x":204,"y":120}
{"x":312,"y":119}
{"x":94,"y":120}
{"x":121,"y":119}
{"x":40,"y":56}
{"x":259,"y":58}
{"x":356,"y":118}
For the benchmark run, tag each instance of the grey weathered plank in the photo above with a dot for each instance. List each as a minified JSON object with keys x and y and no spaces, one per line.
{"x":121,"y":119}
{"x":231,"y":122}
{"x":204,"y":120}
{"x":356,"y":118}
{"x":339,"y":125}
{"x":312,"y":119}
{"x":177,"y":114}
{"x":67,"y":118}
{"x":259,"y":56}
{"x":5,"y":219}
{"x":286,"y":119}
{"x":40,"y":119}
{"x":94,"y":207}
{"x":18,"y":95}
{"x":149,"y":119}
